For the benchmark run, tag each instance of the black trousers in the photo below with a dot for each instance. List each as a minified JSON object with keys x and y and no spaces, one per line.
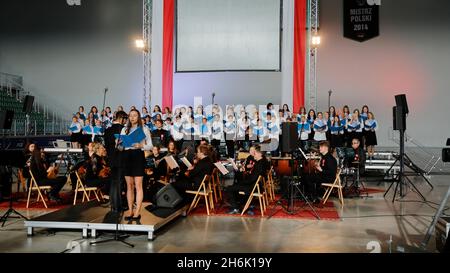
{"x":215,"y":143}
{"x":313,"y":184}
{"x":230,"y":148}
{"x":115,"y":189}
{"x":182,"y":184}
{"x":57,"y":184}
{"x":234,"y":198}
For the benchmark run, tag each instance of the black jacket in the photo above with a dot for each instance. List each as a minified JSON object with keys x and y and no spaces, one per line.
{"x":329,"y":167}
{"x":114,"y":156}
{"x":202,"y":168}
{"x":163,"y":135}
{"x":261,"y":167}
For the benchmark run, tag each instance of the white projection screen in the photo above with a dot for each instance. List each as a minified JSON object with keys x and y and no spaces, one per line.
{"x":228,"y":35}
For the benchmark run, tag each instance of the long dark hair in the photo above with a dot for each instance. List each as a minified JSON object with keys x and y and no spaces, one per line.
{"x":37,"y":157}
{"x":139,"y":123}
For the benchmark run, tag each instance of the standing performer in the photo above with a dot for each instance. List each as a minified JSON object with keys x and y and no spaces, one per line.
{"x":134,"y":161}
{"x":115,"y":160}
{"x":230,"y":135}
{"x":370,"y":126}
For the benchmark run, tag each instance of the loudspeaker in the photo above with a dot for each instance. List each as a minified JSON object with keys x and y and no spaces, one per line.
{"x":168,"y":197}
{"x":6,"y":119}
{"x":446,"y":155}
{"x":399,"y":118}
{"x":289,"y":136}
{"x":400,"y":101}
{"x":28,"y":104}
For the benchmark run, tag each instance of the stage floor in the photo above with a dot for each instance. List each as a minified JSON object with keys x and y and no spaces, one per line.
{"x":92,"y":216}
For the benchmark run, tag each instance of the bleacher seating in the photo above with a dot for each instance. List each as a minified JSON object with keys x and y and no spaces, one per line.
{"x":8,"y":102}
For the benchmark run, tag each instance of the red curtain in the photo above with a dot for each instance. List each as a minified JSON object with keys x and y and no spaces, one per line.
{"x":167,"y":69}
{"x":299,"y":54}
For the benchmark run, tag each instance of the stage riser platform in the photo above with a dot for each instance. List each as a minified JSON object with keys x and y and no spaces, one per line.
{"x":92,"y":216}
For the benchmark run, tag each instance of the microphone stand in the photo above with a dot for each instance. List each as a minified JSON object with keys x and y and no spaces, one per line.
{"x":118,"y":238}
{"x":103,"y":109}
{"x":329,"y":98}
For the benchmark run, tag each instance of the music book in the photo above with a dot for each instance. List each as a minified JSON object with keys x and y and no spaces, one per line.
{"x":221,"y":168}
{"x":258,"y":131}
{"x":317,"y":127}
{"x":129,"y":140}
{"x":98,"y":130}
{"x":171,"y":162}
{"x":88,"y":129}
{"x":353,"y":126}
{"x":217,"y":130}
{"x":186,"y":162}
{"x":73,"y":128}
{"x":336,"y":129}
{"x":233,"y":164}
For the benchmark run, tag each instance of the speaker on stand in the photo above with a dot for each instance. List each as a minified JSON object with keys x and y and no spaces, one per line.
{"x":28,"y":108}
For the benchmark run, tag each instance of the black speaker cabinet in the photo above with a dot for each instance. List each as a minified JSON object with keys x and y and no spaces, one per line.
{"x":400,"y":101}
{"x":399,"y":118}
{"x":6,"y":119}
{"x":289,"y":136}
{"x":168,"y":197}
{"x":28,"y":104}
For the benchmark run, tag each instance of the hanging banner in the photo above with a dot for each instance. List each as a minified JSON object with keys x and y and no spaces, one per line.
{"x":361,"y":19}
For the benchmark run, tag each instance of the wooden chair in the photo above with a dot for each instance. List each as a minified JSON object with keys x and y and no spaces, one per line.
{"x":216,"y":186}
{"x":86,"y":191}
{"x":35,"y":187}
{"x":203,"y":190}
{"x":270,"y":188}
{"x":337,"y":184}
{"x":256,"y":192}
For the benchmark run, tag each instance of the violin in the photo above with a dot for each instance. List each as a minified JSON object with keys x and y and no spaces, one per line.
{"x":52,"y":172}
{"x":105,"y":172}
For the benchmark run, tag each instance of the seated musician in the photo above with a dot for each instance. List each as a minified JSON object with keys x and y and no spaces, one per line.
{"x":172,"y":149}
{"x":246,"y":166}
{"x":44,"y":175}
{"x":326,"y":170}
{"x":159,"y":163}
{"x":247,"y":182}
{"x":358,"y":159}
{"x":97,"y":172}
{"x":193,"y":177}
{"x":162,"y":134}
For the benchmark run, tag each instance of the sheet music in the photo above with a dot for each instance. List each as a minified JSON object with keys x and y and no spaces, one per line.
{"x":233,"y":164}
{"x":221,"y":168}
{"x":171,"y":162}
{"x":186,"y":162}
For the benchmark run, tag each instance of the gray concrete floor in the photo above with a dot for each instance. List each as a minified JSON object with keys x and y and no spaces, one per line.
{"x":364,"y":222}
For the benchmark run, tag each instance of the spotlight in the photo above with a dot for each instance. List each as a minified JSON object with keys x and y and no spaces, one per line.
{"x":140,"y":44}
{"x":315,"y":40}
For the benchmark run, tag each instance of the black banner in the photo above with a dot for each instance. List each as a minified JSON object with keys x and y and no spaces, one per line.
{"x":361,"y":19}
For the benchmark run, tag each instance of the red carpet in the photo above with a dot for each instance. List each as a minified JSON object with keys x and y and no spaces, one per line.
{"x":325,"y":212}
{"x":20,"y":202}
{"x":371,"y":191}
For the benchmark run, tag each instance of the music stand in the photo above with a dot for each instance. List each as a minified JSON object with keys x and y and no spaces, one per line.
{"x":10,"y":210}
{"x":8,"y":167}
{"x":294,"y":191}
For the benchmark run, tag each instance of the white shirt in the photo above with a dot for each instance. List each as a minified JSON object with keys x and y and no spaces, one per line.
{"x":217,"y":130}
